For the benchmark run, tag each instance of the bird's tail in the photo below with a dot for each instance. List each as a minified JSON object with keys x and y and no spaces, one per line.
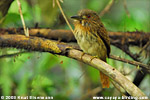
{"x":104,"y":80}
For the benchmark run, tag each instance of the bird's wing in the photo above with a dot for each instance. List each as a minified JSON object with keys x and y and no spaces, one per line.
{"x":104,"y":36}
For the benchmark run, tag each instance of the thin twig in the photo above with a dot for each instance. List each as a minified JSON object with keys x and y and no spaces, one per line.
{"x":145,"y":46}
{"x":107,"y":8}
{"x":125,"y":7}
{"x":53,"y":3}
{"x":57,"y":1}
{"x":22,"y":19}
{"x":11,"y":55}
{"x":131,"y":62}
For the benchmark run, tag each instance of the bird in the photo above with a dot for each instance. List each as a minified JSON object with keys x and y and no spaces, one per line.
{"x":92,"y":37}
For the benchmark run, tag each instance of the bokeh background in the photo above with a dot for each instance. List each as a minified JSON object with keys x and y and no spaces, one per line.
{"x":45,"y":74}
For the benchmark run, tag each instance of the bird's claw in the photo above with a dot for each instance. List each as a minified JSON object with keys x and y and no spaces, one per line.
{"x":93,"y":58}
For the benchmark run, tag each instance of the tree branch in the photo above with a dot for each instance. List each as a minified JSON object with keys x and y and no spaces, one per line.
{"x":107,"y":8}
{"x":116,"y":38}
{"x":125,"y":7}
{"x":131,"y":62}
{"x":119,"y":39}
{"x":4,"y":6}
{"x":54,"y":47}
{"x":12,"y":55}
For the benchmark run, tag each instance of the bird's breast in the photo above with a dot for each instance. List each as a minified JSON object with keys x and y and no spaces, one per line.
{"x":90,"y":43}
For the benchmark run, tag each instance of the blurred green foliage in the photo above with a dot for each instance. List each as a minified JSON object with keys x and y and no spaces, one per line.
{"x":44,"y":74}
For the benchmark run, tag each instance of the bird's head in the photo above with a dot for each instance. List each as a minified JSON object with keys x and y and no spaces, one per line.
{"x":86,"y":18}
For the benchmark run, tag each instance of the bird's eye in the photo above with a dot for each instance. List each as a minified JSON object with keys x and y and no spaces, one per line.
{"x":88,"y":16}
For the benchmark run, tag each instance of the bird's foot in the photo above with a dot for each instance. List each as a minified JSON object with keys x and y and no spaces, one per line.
{"x":93,"y":58}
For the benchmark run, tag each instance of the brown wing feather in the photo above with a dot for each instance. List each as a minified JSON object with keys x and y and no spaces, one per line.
{"x":104,"y":36}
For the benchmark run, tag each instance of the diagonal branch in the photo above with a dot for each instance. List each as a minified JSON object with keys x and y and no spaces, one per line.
{"x":54,"y":47}
{"x":4,"y":6}
{"x":131,"y":62}
{"x":107,"y":8}
{"x":22,"y":19}
{"x":125,"y":7}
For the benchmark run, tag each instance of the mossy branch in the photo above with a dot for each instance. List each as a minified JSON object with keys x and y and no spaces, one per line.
{"x":121,"y":40}
{"x":54,"y":47}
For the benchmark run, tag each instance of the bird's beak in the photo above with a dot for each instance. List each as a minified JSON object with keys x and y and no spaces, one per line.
{"x":76,"y":17}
